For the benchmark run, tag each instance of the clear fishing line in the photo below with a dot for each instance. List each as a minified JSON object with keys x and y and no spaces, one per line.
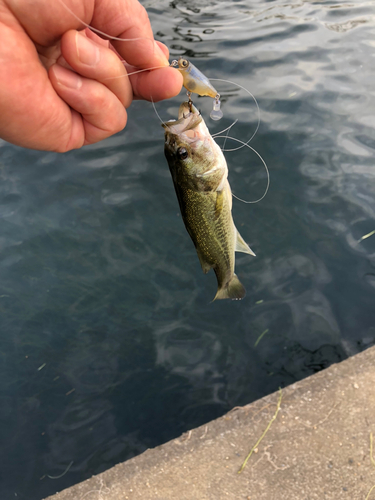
{"x":259,"y":156}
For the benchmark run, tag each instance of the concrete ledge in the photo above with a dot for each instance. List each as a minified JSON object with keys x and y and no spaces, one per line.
{"x":317,"y":448}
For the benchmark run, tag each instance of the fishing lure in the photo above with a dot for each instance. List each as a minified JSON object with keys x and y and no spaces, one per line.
{"x":196,"y":82}
{"x":193,"y":79}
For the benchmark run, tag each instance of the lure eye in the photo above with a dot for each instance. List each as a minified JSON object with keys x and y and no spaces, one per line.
{"x":182,"y":153}
{"x":184,"y":63}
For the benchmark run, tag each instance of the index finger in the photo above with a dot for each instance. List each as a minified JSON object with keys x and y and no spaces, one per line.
{"x":129,"y":21}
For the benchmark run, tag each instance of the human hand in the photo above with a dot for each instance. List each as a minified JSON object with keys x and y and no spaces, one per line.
{"x":61,"y":88}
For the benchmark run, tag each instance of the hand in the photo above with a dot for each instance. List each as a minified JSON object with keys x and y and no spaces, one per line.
{"x":60,"y":88}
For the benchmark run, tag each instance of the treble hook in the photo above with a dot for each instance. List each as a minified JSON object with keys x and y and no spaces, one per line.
{"x":190,"y":102}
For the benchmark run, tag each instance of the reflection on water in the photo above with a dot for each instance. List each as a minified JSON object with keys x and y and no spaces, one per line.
{"x":110,"y":342}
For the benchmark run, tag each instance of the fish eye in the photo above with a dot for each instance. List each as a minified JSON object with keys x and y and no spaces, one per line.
{"x":182,"y":153}
{"x":184,"y":63}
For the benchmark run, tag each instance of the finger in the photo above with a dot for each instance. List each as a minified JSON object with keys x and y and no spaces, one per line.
{"x":102,"y":112}
{"x":32,"y":115}
{"x":163,"y":48}
{"x":45,"y":22}
{"x":48,"y":55}
{"x":156,"y":85}
{"x":93,"y":36}
{"x":132,"y":24}
{"x":98,"y":62}
{"x":96,"y":38}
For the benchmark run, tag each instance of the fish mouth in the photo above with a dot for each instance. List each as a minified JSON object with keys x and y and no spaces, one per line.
{"x":189,"y":126}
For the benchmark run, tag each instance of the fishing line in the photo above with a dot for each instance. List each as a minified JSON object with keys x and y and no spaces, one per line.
{"x":243,"y":144}
{"x":98,"y":31}
{"x":112,"y":38}
{"x":256,"y":103}
{"x":106,"y":35}
{"x":226,"y":135}
{"x":134,"y":72}
{"x":256,"y":152}
{"x":225,"y":140}
{"x":228,"y":128}
{"x":157,"y":114}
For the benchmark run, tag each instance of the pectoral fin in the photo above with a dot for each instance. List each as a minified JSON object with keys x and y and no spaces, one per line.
{"x":242,"y":246}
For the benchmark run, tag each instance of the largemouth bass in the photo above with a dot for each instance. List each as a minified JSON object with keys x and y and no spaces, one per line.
{"x":200,"y":176}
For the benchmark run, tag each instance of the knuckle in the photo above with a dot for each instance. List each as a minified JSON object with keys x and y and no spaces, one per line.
{"x":116,"y":120}
{"x":119,"y":122}
{"x":113,"y":119}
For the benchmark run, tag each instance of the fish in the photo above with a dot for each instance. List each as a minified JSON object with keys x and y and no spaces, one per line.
{"x":200,"y":177}
{"x":193,"y":79}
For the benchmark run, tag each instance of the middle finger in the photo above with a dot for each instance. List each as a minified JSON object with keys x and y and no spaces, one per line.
{"x":96,"y":61}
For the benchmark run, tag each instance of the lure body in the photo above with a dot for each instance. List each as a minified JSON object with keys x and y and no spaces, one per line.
{"x":194,"y":80}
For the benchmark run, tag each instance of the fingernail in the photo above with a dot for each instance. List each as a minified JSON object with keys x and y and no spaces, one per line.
{"x":160,"y":54}
{"x":67,"y":78}
{"x":87,"y":52}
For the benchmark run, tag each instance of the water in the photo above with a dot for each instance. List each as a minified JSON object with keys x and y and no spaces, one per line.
{"x":110,"y":343}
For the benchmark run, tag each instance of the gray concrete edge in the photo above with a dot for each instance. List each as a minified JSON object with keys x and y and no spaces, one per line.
{"x":316,"y":448}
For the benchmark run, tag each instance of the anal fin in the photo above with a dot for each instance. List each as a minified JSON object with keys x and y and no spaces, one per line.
{"x":205,"y":265}
{"x":242,"y":246}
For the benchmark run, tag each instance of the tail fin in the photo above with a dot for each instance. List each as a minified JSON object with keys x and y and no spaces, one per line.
{"x":233,"y":290}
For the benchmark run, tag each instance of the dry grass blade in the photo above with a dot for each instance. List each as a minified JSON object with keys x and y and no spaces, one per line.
{"x":366,"y":236}
{"x":373,"y":463}
{"x":264,"y":433}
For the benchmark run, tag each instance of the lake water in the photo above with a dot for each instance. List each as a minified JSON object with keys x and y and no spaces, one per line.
{"x":109,"y":341}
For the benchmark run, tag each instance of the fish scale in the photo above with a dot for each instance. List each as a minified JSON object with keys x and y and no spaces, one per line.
{"x":215,"y":249}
